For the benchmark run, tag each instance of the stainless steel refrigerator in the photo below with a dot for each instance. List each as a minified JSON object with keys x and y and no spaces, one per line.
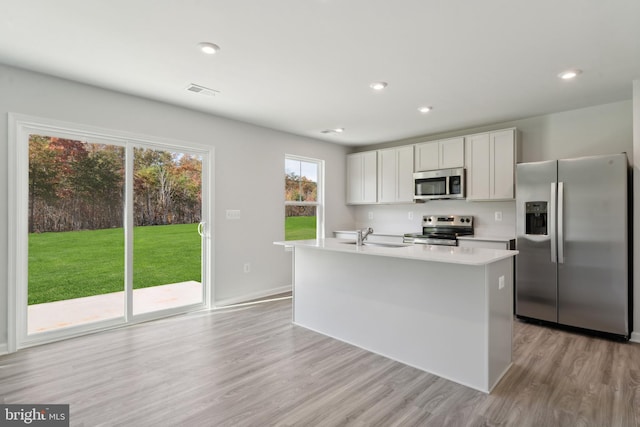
{"x":572,"y":234}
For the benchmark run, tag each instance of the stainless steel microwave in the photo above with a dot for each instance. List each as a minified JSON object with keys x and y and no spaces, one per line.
{"x":439,"y":184}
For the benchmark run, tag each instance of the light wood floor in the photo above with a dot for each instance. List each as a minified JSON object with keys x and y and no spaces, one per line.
{"x":249,"y":366}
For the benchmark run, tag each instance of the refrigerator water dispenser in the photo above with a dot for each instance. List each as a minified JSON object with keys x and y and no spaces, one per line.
{"x":536,"y":218}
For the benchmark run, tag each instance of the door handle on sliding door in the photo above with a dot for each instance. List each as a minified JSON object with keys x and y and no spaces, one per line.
{"x":201,"y":229}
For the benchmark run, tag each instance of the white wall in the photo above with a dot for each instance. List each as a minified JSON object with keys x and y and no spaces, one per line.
{"x":249,"y":172}
{"x":602,"y":129}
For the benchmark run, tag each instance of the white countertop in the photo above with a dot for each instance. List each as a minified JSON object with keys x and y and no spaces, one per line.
{"x":481,"y":237}
{"x":448,"y":254}
{"x":372,"y":234}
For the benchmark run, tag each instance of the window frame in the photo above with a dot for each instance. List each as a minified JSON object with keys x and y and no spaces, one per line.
{"x":319,"y":203}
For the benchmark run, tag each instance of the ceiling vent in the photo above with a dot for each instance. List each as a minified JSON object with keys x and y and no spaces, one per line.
{"x":202,"y":90}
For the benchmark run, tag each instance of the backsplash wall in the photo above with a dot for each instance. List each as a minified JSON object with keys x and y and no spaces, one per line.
{"x":394,"y":219}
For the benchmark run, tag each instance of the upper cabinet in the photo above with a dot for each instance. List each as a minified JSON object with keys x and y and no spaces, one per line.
{"x":395,"y":175}
{"x":386,"y":175}
{"x":442,"y":154}
{"x":362,"y":184}
{"x":490,"y":161}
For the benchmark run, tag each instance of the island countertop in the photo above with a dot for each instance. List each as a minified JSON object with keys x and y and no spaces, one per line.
{"x":446,"y":254}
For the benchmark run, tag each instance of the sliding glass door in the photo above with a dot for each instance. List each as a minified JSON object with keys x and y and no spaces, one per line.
{"x":167,"y":212}
{"x":76,"y":235}
{"x":108,"y":231}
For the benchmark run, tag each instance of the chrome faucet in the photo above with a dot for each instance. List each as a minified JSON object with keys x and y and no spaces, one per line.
{"x":361,"y":235}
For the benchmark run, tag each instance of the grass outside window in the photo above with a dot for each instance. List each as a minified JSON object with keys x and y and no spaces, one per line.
{"x":300,"y":227}
{"x":75,"y":264}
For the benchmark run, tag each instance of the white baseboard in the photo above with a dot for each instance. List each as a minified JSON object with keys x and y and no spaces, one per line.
{"x":4,"y":349}
{"x":635,"y":337}
{"x":252,"y":296}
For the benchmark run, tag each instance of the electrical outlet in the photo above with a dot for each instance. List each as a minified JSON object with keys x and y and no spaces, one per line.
{"x":500,"y":282}
{"x":233,"y":214}
{"x":410,"y":216}
{"x":247,"y":267}
{"x":498,"y":216}
{"x":370,"y":215}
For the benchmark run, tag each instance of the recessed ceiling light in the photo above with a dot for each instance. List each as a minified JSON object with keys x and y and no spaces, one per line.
{"x":569,"y":74}
{"x":425,"y":110}
{"x":208,"y":48}
{"x":378,"y":85}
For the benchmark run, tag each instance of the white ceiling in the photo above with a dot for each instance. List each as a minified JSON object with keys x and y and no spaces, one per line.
{"x":303,"y":66}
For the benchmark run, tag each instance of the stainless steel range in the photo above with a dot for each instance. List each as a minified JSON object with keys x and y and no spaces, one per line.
{"x":442,"y":230}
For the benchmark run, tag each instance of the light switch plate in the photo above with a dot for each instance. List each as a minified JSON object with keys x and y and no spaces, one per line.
{"x":498,"y":216}
{"x":501,"y":282}
{"x":233,"y":214}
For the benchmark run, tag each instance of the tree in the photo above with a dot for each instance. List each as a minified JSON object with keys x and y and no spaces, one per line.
{"x":300,"y":189}
{"x":167,"y":187}
{"x":75,"y":185}
{"x":43,"y":174}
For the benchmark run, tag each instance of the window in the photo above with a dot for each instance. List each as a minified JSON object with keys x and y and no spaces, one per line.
{"x":303,"y":198}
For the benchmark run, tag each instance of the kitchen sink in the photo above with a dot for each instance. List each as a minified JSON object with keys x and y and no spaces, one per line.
{"x":384,"y":245}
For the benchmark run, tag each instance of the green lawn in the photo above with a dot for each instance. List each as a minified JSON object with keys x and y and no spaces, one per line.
{"x":83,"y":263}
{"x":300,"y":227}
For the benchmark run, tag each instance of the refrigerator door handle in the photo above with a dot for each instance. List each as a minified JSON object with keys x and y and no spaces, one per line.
{"x":552,"y":222}
{"x":561,"y":223}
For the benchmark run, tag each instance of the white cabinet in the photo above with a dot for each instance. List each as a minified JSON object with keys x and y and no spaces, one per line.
{"x":442,"y":154}
{"x":490,"y":161}
{"x":426,"y":156}
{"x":395,"y":175}
{"x":383,"y":176}
{"x":478,"y":166}
{"x":502,"y":157}
{"x":362,"y":185}
{"x":386,"y":175}
{"x":451,"y":153}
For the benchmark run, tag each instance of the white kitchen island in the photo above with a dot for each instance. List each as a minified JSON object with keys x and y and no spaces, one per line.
{"x":444,"y":310}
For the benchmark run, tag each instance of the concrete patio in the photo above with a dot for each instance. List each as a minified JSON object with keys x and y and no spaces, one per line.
{"x":77,"y":311}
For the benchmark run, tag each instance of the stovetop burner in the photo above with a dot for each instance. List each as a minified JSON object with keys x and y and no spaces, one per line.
{"x":442,"y":230}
